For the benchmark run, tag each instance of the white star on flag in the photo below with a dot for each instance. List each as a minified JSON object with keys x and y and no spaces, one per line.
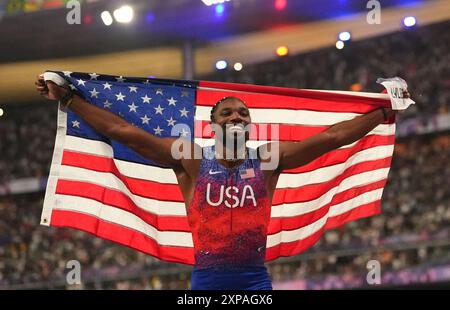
{"x":184,"y":112}
{"x":107,"y":85}
{"x":146,"y":99}
{"x":94,"y":76}
{"x":145,"y":119}
{"x":72,"y":87}
{"x":170,"y":122}
{"x":159,"y":91}
{"x":120,"y":79}
{"x":81,"y":82}
{"x":107,"y":104}
{"x":172,"y":101}
{"x":67,"y":73}
{"x":132,"y":107}
{"x":159,"y":110}
{"x":94,"y":93}
{"x":120,"y":96}
{"x":158,"y":130}
{"x":132,"y":89}
{"x":146,"y":82}
{"x":76,"y":123}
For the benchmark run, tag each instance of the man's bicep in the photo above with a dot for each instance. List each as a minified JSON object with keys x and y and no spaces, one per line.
{"x":151,"y":147}
{"x":191,"y":159}
{"x":296,"y":154}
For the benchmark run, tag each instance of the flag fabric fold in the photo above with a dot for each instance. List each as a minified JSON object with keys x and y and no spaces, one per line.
{"x":100,"y":186}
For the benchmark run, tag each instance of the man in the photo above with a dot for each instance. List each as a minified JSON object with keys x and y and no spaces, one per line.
{"x":226,"y":191}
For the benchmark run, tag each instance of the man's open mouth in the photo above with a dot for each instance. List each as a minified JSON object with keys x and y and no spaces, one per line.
{"x":237,"y":128}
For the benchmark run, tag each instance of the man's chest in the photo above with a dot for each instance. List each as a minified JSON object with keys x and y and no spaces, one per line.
{"x":238,"y":188}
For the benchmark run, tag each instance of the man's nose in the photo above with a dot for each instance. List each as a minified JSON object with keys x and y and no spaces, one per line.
{"x":236,"y":118}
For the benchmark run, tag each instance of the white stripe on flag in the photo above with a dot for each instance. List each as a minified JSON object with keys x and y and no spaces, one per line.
{"x":353,"y":93}
{"x":306,"y":231}
{"x":321,"y":175}
{"x":49,"y":200}
{"x":123,"y":218}
{"x":286,"y":116}
{"x":110,"y":181}
{"x":299,"y":208}
{"x":88,"y":146}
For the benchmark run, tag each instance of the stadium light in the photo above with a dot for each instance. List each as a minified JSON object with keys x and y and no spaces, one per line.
{"x":213,"y":2}
{"x":220,"y":8}
{"x":280,"y":5}
{"x":238,"y":66}
{"x":150,"y":17}
{"x":221,"y":65}
{"x":106,"y":18}
{"x":409,"y":21}
{"x":345,"y":36}
{"x":282,"y":51}
{"x":124,"y":14}
{"x":340,"y":45}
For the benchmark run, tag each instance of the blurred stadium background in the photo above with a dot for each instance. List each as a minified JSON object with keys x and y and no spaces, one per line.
{"x":286,"y":43}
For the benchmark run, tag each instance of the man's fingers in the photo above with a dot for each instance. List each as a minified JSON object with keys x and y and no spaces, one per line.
{"x":52,"y":86}
{"x":38,"y":84}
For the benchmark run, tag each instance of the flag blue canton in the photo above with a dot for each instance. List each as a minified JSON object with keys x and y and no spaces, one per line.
{"x":154,"y":105}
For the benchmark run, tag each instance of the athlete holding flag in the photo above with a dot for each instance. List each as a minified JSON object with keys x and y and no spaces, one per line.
{"x":226,"y":191}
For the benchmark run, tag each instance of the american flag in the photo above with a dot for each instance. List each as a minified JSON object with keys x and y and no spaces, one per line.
{"x":247,"y":173}
{"x":100,"y":186}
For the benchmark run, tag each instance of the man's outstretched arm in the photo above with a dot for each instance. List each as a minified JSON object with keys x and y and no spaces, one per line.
{"x":114,"y":127}
{"x":296,"y":154}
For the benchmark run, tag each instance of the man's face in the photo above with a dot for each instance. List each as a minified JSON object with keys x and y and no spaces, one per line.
{"x":232,"y":115}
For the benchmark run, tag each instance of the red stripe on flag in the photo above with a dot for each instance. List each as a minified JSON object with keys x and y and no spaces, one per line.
{"x":229,"y":89}
{"x":140,"y":187}
{"x":123,"y":235}
{"x":314,"y":191}
{"x":267,"y":101}
{"x":264,"y":131}
{"x":340,"y":156}
{"x":290,"y":223}
{"x":299,"y":246}
{"x":119,"y":200}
